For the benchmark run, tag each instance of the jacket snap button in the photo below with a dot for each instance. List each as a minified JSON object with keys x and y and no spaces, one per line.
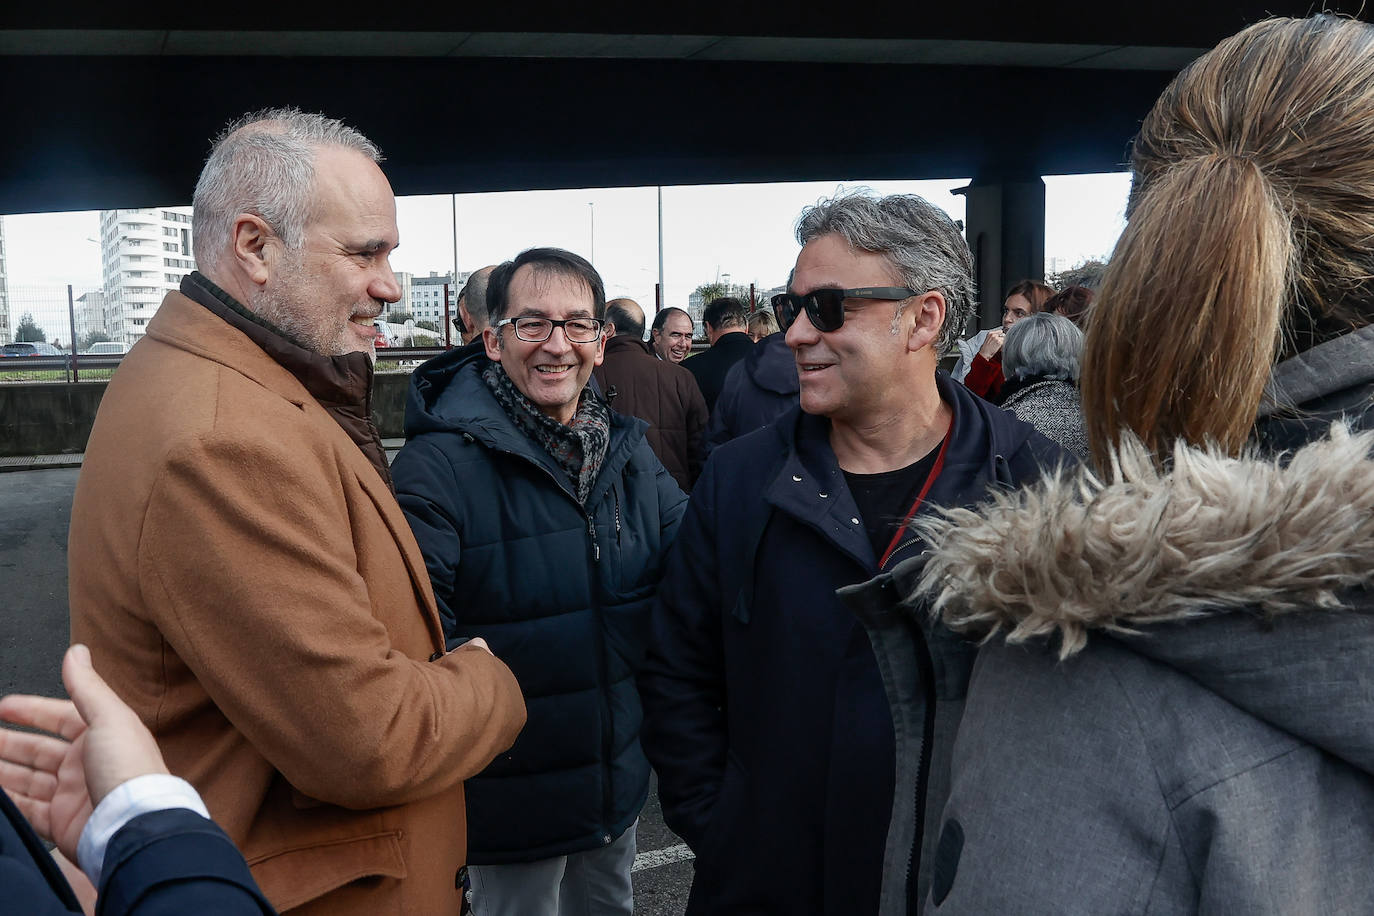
{"x":796,"y":478}
{"x":853,"y":521}
{"x":824,"y":495}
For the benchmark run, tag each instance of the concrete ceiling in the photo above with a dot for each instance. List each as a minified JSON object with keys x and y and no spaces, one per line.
{"x":115,"y":107}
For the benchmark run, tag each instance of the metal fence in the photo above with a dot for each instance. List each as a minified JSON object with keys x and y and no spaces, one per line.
{"x":104,"y":324}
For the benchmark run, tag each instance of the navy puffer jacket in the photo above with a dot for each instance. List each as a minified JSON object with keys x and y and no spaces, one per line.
{"x":560,"y":592}
{"x":758,"y":389}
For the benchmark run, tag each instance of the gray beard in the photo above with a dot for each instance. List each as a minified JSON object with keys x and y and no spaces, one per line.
{"x":279,"y":309}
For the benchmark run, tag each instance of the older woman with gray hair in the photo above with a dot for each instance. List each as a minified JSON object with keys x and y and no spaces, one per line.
{"x":1040,"y":363}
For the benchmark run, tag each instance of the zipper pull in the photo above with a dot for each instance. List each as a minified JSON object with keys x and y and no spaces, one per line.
{"x":591,"y":533}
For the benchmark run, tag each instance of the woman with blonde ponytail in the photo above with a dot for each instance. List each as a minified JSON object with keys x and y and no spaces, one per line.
{"x":1172,"y":709}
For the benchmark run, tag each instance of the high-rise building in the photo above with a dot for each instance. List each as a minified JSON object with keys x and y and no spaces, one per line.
{"x":5,"y":328}
{"x":144,"y":254}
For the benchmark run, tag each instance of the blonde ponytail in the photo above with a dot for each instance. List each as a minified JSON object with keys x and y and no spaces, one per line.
{"x":1187,"y":325}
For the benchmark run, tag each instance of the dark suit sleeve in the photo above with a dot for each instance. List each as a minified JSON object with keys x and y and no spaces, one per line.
{"x":426,"y":487}
{"x":683,"y":679}
{"x":696,"y":429}
{"x":30,"y":881}
{"x":174,"y":863}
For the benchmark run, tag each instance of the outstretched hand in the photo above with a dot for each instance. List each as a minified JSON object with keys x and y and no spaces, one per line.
{"x":57,"y":781}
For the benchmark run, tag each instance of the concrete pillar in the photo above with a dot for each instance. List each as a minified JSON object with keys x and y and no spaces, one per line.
{"x":1004,"y":222}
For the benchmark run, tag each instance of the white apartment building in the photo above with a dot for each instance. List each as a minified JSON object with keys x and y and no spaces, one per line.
{"x":426,"y":297}
{"x":144,"y":253}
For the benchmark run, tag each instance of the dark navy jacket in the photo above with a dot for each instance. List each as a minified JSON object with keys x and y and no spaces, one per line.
{"x":166,"y":863}
{"x":758,"y":389}
{"x":766,"y":717}
{"x":562,"y":595}
{"x":710,"y":367}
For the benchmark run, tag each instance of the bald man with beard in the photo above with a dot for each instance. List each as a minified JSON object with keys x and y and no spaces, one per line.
{"x":660,"y":392}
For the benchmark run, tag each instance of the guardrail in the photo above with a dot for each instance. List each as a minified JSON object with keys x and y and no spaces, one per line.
{"x":98,"y":366}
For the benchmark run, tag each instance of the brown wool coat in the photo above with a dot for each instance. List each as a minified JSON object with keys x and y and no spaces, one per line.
{"x":666,"y":396}
{"x":246,"y":580}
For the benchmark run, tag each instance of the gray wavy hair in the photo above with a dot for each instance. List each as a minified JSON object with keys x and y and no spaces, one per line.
{"x":921,"y":241}
{"x":264,"y":164}
{"x":1043,"y":345}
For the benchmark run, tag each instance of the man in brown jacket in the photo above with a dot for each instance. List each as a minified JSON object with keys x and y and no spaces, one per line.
{"x":662,"y":393}
{"x":239,"y":565}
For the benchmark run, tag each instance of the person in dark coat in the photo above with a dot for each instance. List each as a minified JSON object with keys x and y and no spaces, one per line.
{"x":661,"y":393}
{"x":99,"y":788}
{"x":1040,"y":361}
{"x":729,"y":336}
{"x":1173,"y":710}
{"x":758,"y":389}
{"x":765,"y":716}
{"x":544,"y":519}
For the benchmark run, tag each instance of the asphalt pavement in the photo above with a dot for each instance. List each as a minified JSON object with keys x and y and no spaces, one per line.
{"x":35,"y":507}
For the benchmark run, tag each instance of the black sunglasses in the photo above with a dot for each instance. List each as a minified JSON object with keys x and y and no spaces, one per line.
{"x":825,"y":307}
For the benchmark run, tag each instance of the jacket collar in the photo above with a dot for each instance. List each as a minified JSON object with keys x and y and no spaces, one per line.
{"x":810,"y":485}
{"x":342,"y":385}
{"x":1327,"y":368}
{"x":627,"y":345}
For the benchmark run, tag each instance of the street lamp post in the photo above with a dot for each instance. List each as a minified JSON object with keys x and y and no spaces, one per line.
{"x":591,"y":217}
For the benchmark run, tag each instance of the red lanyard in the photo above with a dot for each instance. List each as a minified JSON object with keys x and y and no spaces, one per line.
{"x":920,"y":497}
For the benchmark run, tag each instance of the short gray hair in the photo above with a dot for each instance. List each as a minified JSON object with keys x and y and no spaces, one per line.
{"x":264,"y":164}
{"x":1043,"y":345}
{"x":921,"y":242}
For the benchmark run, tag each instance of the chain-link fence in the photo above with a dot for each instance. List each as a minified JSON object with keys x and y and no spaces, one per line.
{"x":67,"y":333}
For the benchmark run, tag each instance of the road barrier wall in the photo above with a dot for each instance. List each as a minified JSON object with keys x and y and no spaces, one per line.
{"x":55,"y":418}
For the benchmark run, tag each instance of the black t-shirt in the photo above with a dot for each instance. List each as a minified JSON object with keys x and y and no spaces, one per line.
{"x":884,"y":499}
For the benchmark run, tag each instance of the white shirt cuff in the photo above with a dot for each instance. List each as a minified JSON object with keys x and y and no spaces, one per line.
{"x":128,"y":800}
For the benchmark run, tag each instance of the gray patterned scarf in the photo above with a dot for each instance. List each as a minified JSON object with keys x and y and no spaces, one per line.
{"x":578,"y":448}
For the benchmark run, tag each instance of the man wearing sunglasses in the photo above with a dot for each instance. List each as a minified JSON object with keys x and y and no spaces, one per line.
{"x":544,"y":519}
{"x":766,"y":715}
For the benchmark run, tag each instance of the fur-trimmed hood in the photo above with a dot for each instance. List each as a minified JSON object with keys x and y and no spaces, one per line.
{"x":1249,"y":574}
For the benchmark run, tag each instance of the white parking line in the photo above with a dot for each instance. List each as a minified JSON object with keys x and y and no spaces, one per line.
{"x":655,"y":858}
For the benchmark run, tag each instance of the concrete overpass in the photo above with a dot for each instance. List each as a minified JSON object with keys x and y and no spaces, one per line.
{"x":113,"y":107}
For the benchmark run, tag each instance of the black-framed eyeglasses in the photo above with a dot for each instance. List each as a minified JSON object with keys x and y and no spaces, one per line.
{"x":533,"y":329}
{"x":825,"y":307}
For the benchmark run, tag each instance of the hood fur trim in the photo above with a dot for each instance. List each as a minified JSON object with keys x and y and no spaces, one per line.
{"x":1213,"y":534}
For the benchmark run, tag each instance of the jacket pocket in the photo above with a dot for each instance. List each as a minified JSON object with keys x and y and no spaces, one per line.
{"x":292,"y":877}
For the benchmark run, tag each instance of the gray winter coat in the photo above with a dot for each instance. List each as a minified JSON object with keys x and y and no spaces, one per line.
{"x":1174,"y":709}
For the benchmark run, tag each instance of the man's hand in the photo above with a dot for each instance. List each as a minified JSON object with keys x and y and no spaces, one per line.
{"x":992,"y":344}
{"x":57,"y":781}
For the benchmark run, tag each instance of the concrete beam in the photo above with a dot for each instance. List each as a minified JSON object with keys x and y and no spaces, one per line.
{"x":1004,"y":222}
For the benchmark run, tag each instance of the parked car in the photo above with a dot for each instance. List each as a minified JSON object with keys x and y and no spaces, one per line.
{"x":29,"y":349}
{"x":107,"y":348}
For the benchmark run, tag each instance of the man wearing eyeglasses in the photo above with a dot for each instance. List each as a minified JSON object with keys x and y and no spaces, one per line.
{"x":766,"y":716}
{"x":544,"y":519}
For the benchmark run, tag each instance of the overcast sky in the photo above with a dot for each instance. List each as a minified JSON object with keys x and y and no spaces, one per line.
{"x":709,"y":231}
